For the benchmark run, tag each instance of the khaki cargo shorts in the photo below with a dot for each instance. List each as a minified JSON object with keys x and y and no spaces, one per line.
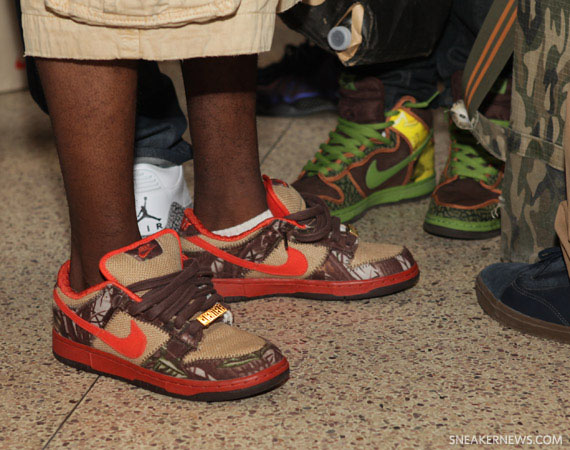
{"x":148,"y":29}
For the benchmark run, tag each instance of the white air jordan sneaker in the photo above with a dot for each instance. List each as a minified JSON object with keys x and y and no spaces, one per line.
{"x":161,"y":196}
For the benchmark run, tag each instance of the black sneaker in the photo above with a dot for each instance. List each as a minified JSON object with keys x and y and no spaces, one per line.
{"x":533,"y":298}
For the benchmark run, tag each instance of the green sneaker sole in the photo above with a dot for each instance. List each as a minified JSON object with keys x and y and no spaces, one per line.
{"x":459,"y":229}
{"x":394,"y":194}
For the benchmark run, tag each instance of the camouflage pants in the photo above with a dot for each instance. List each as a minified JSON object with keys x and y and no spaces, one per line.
{"x":533,"y":189}
{"x":532,"y":192}
{"x":536,"y":146}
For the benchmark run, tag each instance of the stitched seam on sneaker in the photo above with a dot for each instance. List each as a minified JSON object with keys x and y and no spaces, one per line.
{"x":541,"y":301}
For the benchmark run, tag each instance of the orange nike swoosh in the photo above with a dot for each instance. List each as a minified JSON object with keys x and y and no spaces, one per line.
{"x":295,"y":266}
{"x":145,"y":250}
{"x":131,"y":346}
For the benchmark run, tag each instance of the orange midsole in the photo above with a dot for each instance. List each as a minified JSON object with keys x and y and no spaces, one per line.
{"x":254,"y":287}
{"x":113,"y":365}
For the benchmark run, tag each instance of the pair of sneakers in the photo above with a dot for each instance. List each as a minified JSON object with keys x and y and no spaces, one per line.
{"x":375,"y":157}
{"x":159,"y":321}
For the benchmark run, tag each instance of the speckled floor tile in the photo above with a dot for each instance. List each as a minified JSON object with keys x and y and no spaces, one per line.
{"x":37,"y":392}
{"x":404,"y":371}
{"x":297,"y":146}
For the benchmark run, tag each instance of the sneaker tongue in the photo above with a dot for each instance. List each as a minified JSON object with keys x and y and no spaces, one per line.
{"x":149,"y":258}
{"x":283,"y":199}
{"x":362,"y":101}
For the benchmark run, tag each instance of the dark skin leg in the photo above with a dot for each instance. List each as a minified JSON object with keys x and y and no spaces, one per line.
{"x":221,"y":108}
{"x":92,"y":109}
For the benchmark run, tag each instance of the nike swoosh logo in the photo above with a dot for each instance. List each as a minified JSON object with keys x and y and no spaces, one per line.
{"x":131,"y":346}
{"x":145,"y":250}
{"x":295,"y":266}
{"x":375,"y":177}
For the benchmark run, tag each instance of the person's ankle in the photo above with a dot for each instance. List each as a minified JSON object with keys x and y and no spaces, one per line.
{"x":80,"y":280}
{"x":229,"y":215}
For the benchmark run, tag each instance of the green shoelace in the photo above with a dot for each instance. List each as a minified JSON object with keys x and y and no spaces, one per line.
{"x":351,"y":141}
{"x":468,"y":159}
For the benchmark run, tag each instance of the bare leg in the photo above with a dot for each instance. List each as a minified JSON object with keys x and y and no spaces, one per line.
{"x":221,"y":107}
{"x":92,"y":109}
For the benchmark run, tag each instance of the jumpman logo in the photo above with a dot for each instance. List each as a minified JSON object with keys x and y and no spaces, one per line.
{"x":143,"y":213}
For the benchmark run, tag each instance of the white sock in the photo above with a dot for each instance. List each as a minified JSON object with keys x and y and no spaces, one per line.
{"x":245,"y":226}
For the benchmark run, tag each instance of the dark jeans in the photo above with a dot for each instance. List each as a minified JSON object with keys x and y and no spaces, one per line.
{"x":160,"y":122}
{"x":419,"y":77}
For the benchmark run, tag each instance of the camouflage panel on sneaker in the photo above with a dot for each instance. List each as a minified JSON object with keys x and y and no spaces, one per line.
{"x":301,"y":251}
{"x":373,"y":157}
{"x":488,"y":215}
{"x":157,"y":322}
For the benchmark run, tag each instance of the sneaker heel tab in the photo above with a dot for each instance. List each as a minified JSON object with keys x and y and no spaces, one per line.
{"x":65,"y":286}
{"x":276,"y":206}
{"x":170,"y":232}
{"x":62,"y":281}
{"x":192,"y":224}
{"x":173,"y":233}
{"x":153,"y":237}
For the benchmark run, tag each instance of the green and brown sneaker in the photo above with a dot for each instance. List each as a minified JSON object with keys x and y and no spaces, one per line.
{"x":373,"y":157}
{"x":465,"y":204}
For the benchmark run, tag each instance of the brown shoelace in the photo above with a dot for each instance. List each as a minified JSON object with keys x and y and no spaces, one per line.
{"x":179,"y":296}
{"x":319,"y":223}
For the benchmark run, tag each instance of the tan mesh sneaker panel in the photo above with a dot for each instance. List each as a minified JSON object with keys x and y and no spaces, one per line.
{"x":120,"y":326}
{"x":127,"y":269}
{"x":76,"y":303}
{"x":290,"y":198}
{"x":315,"y":254}
{"x":223,"y":341}
{"x":371,"y":252}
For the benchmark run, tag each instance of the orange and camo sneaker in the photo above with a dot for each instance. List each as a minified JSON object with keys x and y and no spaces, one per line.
{"x":302,"y":251}
{"x":158,"y":323}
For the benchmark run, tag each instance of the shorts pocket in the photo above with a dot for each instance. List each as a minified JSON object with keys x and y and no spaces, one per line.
{"x":142,"y":13}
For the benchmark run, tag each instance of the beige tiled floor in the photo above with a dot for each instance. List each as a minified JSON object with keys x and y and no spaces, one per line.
{"x":405,"y":371}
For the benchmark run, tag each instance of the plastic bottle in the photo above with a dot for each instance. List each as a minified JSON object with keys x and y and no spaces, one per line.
{"x":339,"y":37}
